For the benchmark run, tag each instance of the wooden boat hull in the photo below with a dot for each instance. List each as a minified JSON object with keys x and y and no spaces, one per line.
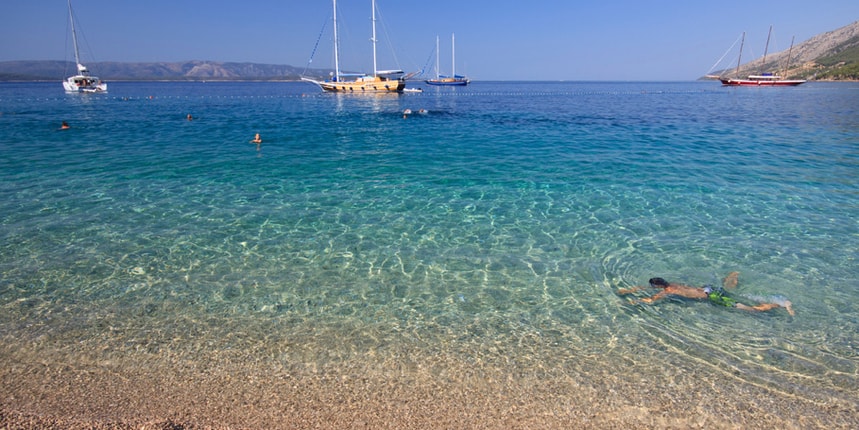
{"x":364,"y":85}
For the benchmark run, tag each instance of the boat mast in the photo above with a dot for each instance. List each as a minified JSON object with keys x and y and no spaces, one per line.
{"x":74,"y":37}
{"x":452,"y":56}
{"x":740,"y":58}
{"x":789,"y":51}
{"x":336,"y":46}
{"x":436,"y":59}
{"x":373,"y":5}
{"x":766,"y":48}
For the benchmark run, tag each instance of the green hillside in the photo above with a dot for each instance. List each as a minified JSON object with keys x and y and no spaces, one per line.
{"x":841,"y":65}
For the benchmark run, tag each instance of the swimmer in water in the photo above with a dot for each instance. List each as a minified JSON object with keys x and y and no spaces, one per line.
{"x":716,"y":295}
{"x":257,"y":139}
{"x":64,"y":126}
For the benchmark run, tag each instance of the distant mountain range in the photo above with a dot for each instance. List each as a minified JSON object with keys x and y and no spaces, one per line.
{"x":178,"y":71}
{"x":829,"y":56}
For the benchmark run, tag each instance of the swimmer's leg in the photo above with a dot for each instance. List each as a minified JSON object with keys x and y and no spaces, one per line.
{"x":788,"y":306}
{"x":763,"y":307}
{"x":730,"y":281}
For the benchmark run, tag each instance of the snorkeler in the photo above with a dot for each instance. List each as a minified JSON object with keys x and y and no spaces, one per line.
{"x":716,"y":295}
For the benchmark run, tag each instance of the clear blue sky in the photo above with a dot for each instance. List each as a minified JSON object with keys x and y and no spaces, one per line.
{"x":495,"y":40}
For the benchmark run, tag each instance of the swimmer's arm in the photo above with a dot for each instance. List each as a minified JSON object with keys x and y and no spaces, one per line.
{"x":658,"y":296}
{"x":625,"y":291}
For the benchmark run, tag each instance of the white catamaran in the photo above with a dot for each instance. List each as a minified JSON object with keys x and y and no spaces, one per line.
{"x":381,"y":81}
{"x":83,"y":82}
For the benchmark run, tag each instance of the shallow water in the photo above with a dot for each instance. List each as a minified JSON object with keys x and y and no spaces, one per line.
{"x":496,"y":227}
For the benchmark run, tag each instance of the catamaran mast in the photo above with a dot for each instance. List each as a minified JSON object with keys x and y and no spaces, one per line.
{"x":74,"y":36}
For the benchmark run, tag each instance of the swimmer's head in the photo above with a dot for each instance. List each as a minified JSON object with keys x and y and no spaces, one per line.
{"x":658,"y":283}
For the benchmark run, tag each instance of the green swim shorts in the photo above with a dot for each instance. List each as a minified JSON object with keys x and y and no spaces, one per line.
{"x":717,"y":296}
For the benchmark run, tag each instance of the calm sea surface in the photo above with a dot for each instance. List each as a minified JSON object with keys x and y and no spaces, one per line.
{"x":497,"y":226}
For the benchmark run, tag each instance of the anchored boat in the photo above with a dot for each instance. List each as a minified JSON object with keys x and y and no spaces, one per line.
{"x":762,"y":79}
{"x":453,"y":79}
{"x":83,"y":82}
{"x":381,"y":81}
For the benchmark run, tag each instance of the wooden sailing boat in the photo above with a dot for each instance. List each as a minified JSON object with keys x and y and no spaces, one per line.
{"x":763,"y":79}
{"x":453,"y":79}
{"x":381,"y":81}
{"x":83,"y":82}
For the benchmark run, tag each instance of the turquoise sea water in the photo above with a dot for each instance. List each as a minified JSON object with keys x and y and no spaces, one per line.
{"x":496,"y":226}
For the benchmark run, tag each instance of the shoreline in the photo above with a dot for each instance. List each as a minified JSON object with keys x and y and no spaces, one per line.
{"x":406,"y":389}
{"x":209,"y":81}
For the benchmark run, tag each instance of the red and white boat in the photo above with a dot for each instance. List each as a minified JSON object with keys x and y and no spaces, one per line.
{"x":763,"y":79}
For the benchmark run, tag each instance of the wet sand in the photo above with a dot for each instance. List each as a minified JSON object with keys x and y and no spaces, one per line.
{"x":45,"y":389}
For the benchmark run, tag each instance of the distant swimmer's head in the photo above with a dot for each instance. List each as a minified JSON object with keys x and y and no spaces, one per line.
{"x":658,"y":283}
